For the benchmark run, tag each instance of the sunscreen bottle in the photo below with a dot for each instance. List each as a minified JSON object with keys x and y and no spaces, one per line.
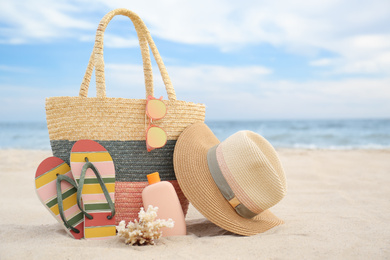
{"x":162,"y":194}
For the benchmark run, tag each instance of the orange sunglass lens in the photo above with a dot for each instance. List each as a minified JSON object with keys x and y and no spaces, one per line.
{"x":156,"y":109}
{"x":156,"y":137}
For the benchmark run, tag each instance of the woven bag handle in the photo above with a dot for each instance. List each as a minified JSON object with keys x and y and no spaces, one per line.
{"x":144,"y":51}
{"x":144,"y":37}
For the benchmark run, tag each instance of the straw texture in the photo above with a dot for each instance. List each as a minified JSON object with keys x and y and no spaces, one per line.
{"x":74,"y":118}
{"x":119,"y":124}
{"x":145,"y":39}
{"x":251,"y":167}
{"x":195,"y":180}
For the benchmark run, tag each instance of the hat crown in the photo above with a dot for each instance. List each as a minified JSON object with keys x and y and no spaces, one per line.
{"x":201,"y":174}
{"x":253,"y":170}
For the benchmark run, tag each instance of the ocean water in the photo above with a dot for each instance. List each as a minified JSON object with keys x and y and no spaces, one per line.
{"x":314,"y":134}
{"x":309,"y":134}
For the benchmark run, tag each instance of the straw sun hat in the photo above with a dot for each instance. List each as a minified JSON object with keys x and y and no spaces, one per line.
{"x":232,"y":183}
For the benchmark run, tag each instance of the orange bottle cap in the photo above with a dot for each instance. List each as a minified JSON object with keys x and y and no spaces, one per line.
{"x":153,"y":177}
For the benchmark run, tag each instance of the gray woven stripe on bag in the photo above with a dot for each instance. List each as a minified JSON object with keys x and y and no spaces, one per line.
{"x":131,"y":159}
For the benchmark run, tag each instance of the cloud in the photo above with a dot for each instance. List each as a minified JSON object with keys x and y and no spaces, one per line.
{"x":192,"y":80}
{"x":41,"y":20}
{"x":356,"y":33}
{"x":15,"y":69}
{"x":222,"y":23}
{"x":247,"y":92}
{"x":345,"y":43}
{"x":366,"y":54}
{"x":240,"y":92}
{"x":113,"y":41}
{"x":359,"y":98}
{"x":321,"y":62}
{"x":21,"y":103}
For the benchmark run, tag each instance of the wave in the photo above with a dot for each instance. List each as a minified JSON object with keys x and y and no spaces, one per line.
{"x":305,"y":134}
{"x":336,"y":147}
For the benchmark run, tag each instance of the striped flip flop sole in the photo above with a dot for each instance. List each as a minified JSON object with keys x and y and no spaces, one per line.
{"x":93,"y":197}
{"x":45,"y":184}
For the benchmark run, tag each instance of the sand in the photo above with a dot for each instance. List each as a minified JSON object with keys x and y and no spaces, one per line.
{"x":337,"y":207}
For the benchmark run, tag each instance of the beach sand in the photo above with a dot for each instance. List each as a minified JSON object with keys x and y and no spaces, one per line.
{"x":337,"y":207}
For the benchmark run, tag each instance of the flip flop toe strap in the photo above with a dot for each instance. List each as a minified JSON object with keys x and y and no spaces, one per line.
{"x":89,"y":165}
{"x":61,"y":178}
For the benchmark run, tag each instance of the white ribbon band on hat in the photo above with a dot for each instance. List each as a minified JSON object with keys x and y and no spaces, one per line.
{"x":224,"y":187}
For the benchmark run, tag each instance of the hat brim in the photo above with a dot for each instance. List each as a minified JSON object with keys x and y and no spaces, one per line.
{"x":197,"y":184}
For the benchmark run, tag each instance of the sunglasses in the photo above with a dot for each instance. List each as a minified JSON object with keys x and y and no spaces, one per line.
{"x":156,"y":137}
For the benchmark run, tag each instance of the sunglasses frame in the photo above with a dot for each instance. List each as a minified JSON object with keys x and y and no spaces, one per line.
{"x":150,"y":125}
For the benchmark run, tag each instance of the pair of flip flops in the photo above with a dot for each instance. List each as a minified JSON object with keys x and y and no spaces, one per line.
{"x":80,"y":196}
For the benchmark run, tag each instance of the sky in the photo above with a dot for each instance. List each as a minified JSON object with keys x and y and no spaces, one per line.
{"x":246,"y":60}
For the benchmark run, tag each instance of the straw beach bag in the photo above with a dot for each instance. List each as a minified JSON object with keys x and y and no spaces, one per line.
{"x":119,"y":124}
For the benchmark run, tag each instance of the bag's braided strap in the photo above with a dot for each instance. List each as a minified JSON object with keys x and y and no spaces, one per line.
{"x":97,"y":60}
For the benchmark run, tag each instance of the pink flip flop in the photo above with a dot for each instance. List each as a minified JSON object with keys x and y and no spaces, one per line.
{"x":94,"y":171}
{"x":57,"y":191}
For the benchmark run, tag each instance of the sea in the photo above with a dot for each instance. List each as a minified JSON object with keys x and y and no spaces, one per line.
{"x":306,"y":134}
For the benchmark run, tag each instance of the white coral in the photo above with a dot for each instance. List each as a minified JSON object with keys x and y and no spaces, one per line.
{"x":144,"y":231}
